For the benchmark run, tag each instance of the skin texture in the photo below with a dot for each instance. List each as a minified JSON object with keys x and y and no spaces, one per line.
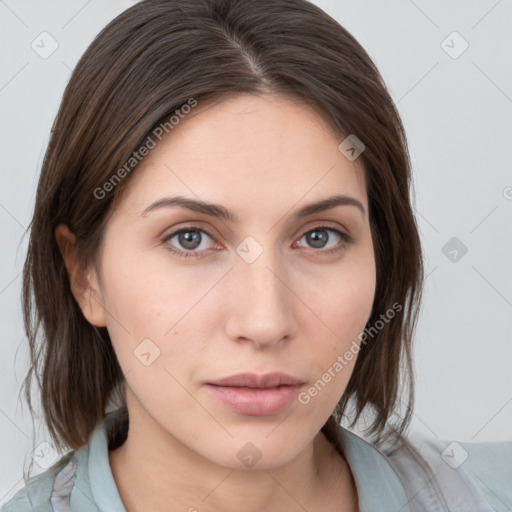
{"x":294,"y":309}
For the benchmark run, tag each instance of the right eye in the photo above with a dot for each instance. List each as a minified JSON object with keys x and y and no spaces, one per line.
{"x":191,"y":239}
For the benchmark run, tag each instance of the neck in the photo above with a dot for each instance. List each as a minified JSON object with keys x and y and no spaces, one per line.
{"x":155,"y":471}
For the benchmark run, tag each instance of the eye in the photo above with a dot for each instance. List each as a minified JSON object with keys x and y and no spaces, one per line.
{"x":326,"y":238}
{"x":191,"y":239}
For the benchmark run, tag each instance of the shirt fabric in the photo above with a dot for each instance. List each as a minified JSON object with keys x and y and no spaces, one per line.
{"x":422,"y":475}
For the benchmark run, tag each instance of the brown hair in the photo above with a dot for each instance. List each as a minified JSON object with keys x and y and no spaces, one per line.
{"x":145,"y":64}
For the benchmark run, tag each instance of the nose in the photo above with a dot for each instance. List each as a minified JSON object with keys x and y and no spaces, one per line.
{"x":261,"y":305}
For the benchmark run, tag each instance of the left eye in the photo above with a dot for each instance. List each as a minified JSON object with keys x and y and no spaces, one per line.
{"x":194,"y":240}
{"x":319,"y":237}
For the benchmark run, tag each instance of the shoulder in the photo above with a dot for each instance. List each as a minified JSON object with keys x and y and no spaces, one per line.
{"x":45,"y":489}
{"x":490,"y":467}
{"x":454,"y":475}
{"x":79,"y":481}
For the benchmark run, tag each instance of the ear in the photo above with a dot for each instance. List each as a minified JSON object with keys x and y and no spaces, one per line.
{"x":84,"y":282}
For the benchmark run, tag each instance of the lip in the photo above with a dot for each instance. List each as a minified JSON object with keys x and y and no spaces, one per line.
{"x":252,"y":380}
{"x":256,"y":395}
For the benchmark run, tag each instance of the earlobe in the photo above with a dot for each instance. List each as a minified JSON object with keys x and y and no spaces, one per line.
{"x":83,"y":281}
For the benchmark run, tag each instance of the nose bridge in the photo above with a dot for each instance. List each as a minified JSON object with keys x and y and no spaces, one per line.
{"x":262,"y":308}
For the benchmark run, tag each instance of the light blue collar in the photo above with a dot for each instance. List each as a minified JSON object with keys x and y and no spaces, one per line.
{"x":103,"y":485}
{"x":378,"y":486}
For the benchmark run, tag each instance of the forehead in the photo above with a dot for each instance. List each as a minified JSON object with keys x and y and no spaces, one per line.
{"x":248,"y":151}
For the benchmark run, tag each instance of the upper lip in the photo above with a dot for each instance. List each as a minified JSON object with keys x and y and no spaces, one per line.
{"x":252,"y":380}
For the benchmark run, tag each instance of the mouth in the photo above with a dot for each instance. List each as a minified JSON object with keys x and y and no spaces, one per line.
{"x":255,"y":395}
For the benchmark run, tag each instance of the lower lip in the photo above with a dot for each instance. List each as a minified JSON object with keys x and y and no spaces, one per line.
{"x":254,"y":401}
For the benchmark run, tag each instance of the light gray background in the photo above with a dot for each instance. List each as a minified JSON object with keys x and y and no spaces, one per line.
{"x":457,"y":113}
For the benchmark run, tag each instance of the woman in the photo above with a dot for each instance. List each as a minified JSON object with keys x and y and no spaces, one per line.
{"x":224,"y":263}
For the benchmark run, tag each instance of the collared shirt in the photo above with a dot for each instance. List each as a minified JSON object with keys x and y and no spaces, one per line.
{"x":422,"y":475}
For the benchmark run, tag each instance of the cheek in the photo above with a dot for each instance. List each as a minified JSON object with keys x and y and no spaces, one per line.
{"x":355,"y":293}
{"x":342,"y":299}
{"x":148,"y":301}
{"x":145,"y":291}
{"x":350,"y":306}
{"x":342,"y":305}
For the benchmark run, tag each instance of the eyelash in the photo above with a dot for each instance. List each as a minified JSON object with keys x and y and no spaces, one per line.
{"x":345,"y":237}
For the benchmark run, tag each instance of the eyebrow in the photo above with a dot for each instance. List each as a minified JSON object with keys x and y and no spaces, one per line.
{"x":219,"y":211}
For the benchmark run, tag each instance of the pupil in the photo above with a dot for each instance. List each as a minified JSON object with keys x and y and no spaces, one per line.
{"x":190,"y":239}
{"x":318,"y":238}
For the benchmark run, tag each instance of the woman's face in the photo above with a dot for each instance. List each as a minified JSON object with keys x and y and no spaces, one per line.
{"x":253,"y":285}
